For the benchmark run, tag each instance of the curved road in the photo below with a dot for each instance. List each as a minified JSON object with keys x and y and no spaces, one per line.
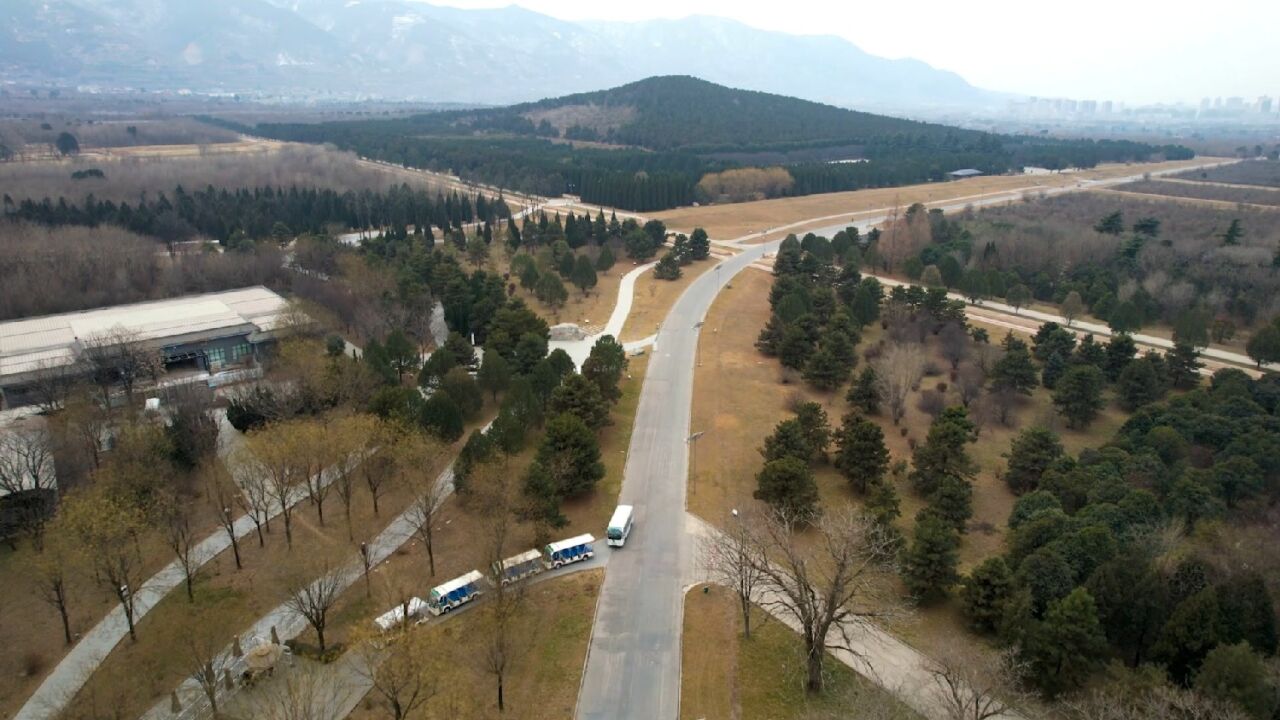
{"x":633,"y":662}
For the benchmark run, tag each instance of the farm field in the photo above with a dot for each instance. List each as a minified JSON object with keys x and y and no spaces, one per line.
{"x":1250,"y":172}
{"x":245,"y":163}
{"x":1205,"y":191}
{"x":729,"y":221}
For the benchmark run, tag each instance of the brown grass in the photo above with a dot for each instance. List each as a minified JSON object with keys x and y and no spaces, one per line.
{"x":542,"y":682}
{"x":654,"y":298}
{"x":725,"y":222}
{"x":590,"y":311}
{"x":724,"y":675}
{"x":150,"y":668}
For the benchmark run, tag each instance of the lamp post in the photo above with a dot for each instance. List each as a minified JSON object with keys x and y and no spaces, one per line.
{"x":692,"y":442}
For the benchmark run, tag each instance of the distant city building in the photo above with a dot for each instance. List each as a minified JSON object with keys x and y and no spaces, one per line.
{"x":1107,"y":107}
{"x":1264,"y":104}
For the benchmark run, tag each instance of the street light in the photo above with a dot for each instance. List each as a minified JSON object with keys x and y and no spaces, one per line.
{"x":692,"y":442}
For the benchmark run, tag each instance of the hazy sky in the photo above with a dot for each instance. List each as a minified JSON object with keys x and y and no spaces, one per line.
{"x":1132,"y":50}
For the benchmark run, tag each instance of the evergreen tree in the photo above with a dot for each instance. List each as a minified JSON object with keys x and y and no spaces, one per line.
{"x":1236,"y":674}
{"x":441,"y":417}
{"x":952,"y":500}
{"x":1090,"y":352}
{"x":605,"y":260}
{"x":864,"y":394}
{"x":1132,"y":602}
{"x":882,"y":503}
{"x":1230,"y":237}
{"x":400,"y":353}
{"x":1138,"y":385}
{"x":789,"y":439}
{"x":862,"y":457}
{"x":787,"y":484}
{"x":1054,"y":368}
{"x":943,"y":452}
{"x":1184,"y":366}
{"x":929,"y":565}
{"x":1112,"y":224}
{"x":495,"y":374}
{"x":817,"y":429}
{"x":584,"y":274}
{"x":699,"y":245}
{"x":605,"y":365}
{"x":668,"y":268}
{"x":985,"y":593}
{"x":571,"y":455}
{"x":1247,"y":613}
{"x":551,"y":291}
{"x":1078,"y":395}
{"x":1032,"y":453}
{"x":1067,"y":646}
{"x":1121,"y":351}
{"x":1189,"y":635}
{"x":581,"y":398}
{"x":1052,"y":338}
{"x":1014,"y":371}
{"x":825,"y":370}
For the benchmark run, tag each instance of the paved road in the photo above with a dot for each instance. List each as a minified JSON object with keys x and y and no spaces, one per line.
{"x":633,"y":664}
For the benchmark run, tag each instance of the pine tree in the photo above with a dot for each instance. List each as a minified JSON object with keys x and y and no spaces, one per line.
{"x":1078,"y":395}
{"x":605,"y":260}
{"x":862,"y":457}
{"x":584,"y":274}
{"x":1067,"y":646}
{"x":952,"y":500}
{"x":1054,"y":368}
{"x":668,"y":268}
{"x":1032,"y":453}
{"x":865,"y":393}
{"x":571,"y":454}
{"x":1014,"y":371}
{"x":699,"y":245}
{"x":985,"y":593}
{"x":929,"y":565}
{"x":943,"y":452}
{"x":581,"y":398}
{"x":787,"y":484}
{"x":1184,"y":366}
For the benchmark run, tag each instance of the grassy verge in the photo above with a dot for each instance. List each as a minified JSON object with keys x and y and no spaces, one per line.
{"x":542,"y":681}
{"x":653,"y":300}
{"x":762,"y":678}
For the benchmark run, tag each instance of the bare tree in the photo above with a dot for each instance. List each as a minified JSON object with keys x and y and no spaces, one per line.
{"x":181,"y":538}
{"x":495,"y":488}
{"x":976,"y":685}
{"x":898,"y":370}
{"x":350,"y":443}
{"x":222,"y":490}
{"x":831,"y":585}
{"x":307,"y":691}
{"x":415,"y":454}
{"x":120,"y":356}
{"x":378,"y":470}
{"x":313,"y":596}
{"x":108,"y":531}
{"x":26,"y":470}
{"x":206,"y":656}
{"x":731,"y":559}
{"x":398,"y":669}
{"x":254,"y":496}
{"x":970,"y":380}
{"x":313,"y":443}
{"x":54,"y":383}
{"x":50,"y":573}
{"x":955,"y":342}
{"x":272,"y":453}
{"x":1158,"y":703}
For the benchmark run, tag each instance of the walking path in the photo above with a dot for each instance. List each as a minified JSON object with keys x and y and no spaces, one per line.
{"x":73,"y":671}
{"x":579,"y":350}
{"x":873,"y":653}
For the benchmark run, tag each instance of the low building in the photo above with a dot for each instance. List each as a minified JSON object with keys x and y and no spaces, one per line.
{"x":967,"y":172}
{"x":206,"y":333}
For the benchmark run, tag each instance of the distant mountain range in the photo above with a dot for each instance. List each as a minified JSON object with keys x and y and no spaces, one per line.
{"x":411,"y":50}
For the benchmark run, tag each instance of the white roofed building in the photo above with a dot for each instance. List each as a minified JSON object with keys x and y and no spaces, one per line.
{"x":207,"y":332}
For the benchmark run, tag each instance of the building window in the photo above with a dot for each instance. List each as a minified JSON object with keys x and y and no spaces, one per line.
{"x":242,"y":350}
{"x":216,"y":356}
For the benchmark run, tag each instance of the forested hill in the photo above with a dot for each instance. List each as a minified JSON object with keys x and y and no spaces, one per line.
{"x":682,"y":112}
{"x":659,"y":143}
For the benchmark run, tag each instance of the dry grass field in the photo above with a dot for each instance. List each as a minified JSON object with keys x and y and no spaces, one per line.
{"x":653,"y":299}
{"x":729,"y":221}
{"x":1265,"y":173}
{"x":1206,"y":192}
{"x":550,"y":650}
{"x":739,"y":396}
{"x":241,"y":164}
{"x":727,"y":676}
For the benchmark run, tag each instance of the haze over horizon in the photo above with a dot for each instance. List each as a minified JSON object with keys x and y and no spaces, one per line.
{"x":1097,"y":49}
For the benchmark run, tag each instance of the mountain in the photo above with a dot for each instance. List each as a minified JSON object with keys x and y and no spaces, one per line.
{"x":686,"y":113}
{"x":413,"y":50}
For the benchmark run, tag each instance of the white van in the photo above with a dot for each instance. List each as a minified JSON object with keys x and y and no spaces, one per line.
{"x":620,"y":526}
